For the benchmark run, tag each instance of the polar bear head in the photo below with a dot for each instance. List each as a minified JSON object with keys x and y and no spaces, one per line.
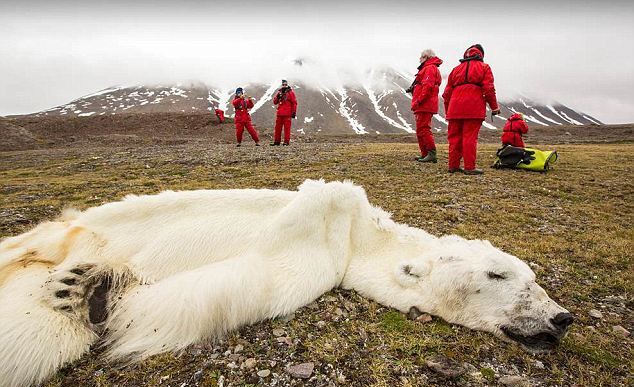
{"x":472,"y":283}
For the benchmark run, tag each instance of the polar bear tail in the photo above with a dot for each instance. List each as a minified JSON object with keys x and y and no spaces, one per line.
{"x":35,"y":339}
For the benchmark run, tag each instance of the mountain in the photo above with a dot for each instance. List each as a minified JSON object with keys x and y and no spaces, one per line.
{"x":377,"y":104}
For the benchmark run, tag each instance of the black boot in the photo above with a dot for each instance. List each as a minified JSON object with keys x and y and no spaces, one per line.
{"x":238,"y":144}
{"x":286,"y":144}
{"x":430,"y":158}
{"x":275,"y":144}
{"x":473,"y":171}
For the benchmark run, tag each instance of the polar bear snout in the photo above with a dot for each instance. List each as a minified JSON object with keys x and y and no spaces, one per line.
{"x":542,"y":339}
{"x":562,"y":321}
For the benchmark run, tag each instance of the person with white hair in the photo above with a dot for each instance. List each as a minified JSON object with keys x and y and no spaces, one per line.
{"x":424,"y":91}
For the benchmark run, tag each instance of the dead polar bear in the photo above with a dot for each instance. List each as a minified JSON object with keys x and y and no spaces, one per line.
{"x":158,"y":273}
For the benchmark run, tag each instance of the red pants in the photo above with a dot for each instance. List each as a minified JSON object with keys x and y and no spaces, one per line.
{"x":423,"y":133}
{"x":221,"y":116}
{"x":240,"y":129}
{"x":463,"y":142}
{"x":285,"y":122}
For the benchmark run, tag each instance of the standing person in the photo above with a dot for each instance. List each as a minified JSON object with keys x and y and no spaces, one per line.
{"x":425,"y":103}
{"x":513,"y":130}
{"x":286,"y":110}
{"x":469,"y":88}
{"x":242,"y":104}
{"x":220,"y":114}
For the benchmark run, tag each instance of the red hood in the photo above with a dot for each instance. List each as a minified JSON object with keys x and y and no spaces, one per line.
{"x":473,"y":52}
{"x":435,"y":61}
{"x":515,"y":117}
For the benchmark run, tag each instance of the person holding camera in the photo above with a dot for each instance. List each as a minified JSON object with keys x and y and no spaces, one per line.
{"x":424,"y":91}
{"x":242,"y":104}
{"x":469,"y":88}
{"x":286,"y":103}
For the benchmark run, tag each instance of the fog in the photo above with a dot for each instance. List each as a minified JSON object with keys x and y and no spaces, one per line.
{"x":575,"y":53}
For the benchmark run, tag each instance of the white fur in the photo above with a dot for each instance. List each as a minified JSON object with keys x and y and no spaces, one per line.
{"x":194,"y":265}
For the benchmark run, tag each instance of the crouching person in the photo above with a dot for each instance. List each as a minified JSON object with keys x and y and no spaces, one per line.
{"x":425,"y":103}
{"x":220,"y":114}
{"x":513,"y":130}
{"x":242,"y":104}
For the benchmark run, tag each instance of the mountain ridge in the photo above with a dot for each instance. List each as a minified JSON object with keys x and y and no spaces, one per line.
{"x":378,"y":104}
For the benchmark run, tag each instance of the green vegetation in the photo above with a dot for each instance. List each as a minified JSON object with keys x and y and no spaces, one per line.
{"x":573,"y":226}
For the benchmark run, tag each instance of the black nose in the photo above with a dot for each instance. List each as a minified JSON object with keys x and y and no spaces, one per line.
{"x":562,"y":320}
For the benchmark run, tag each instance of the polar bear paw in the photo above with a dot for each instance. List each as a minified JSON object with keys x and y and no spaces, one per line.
{"x":80,"y":292}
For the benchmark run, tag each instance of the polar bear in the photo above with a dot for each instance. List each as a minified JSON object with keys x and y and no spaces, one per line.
{"x":158,"y":273}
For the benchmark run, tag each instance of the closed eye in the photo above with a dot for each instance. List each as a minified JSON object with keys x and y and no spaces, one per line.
{"x":496,"y":276}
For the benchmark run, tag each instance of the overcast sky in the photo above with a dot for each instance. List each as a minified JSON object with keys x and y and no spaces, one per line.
{"x":577,"y":53}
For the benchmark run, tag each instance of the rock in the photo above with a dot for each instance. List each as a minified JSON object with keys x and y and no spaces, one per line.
{"x":249,"y":363}
{"x":514,"y":381}
{"x":595,"y":314}
{"x":424,"y":318}
{"x":264,"y":373}
{"x":321,"y":324}
{"x":198,"y":375}
{"x":446,"y":367}
{"x":539,"y":364}
{"x":239,"y":348}
{"x":288,"y":318}
{"x":285,"y":340}
{"x":620,"y":330}
{"x":302,"y":371}
{"x":278,"y":332}
{"x":99,"y":372}
{"x":414,"y":313}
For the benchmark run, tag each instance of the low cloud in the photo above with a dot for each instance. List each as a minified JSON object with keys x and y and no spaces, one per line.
{"x":52,"y":54}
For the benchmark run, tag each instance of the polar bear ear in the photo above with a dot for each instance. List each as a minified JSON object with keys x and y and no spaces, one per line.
{"x":409,"y":273}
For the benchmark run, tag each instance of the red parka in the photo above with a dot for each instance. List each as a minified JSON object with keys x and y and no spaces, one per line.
{"x":426,"y":87}
{"x":513,"y":130}
{"x":242,"y":106}
{"x":286,"y":102}
{"x":469,"y":88}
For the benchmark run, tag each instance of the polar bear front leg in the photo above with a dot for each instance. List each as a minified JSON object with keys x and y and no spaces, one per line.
{"x":192,"y":306}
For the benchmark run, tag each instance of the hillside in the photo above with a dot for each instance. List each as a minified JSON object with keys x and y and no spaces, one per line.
{"x":32,"y":132}
{"x":378,"y":105}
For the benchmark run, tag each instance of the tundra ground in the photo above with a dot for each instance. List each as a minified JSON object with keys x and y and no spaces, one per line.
{"x":572,"y":225}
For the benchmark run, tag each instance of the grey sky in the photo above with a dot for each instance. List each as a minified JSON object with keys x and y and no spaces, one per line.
{"x":577,"y":53}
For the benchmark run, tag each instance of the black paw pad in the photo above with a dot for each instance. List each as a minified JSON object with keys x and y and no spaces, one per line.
{"x":78,"y":271}
{"x":62,"y":293}
{"x":69,"y":281}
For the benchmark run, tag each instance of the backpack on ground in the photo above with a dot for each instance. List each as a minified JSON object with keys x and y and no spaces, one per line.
{"x":525,"y":158}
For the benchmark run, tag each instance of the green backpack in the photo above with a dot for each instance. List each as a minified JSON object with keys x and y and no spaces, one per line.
{"x":525,"y":158}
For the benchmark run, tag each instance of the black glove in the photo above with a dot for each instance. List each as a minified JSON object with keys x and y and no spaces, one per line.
{"x":409,"y":90}
{"x":294,"y":115}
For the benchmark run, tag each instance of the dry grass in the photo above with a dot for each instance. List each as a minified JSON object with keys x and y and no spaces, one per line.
{"x":574,"y":225}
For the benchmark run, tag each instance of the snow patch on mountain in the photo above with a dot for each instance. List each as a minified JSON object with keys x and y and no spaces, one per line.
{"x":375,"y":100}
{"x":268,"y":95}
{"x":347,"y":113}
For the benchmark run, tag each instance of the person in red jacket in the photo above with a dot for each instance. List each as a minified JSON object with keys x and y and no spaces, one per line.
{"x":286,"y":110}
{"x":220,"y":114}
{"x":513,"y":130}
{"x":242,"y":104}
{"x":425,"y":103}
{"x":469,"y":88}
